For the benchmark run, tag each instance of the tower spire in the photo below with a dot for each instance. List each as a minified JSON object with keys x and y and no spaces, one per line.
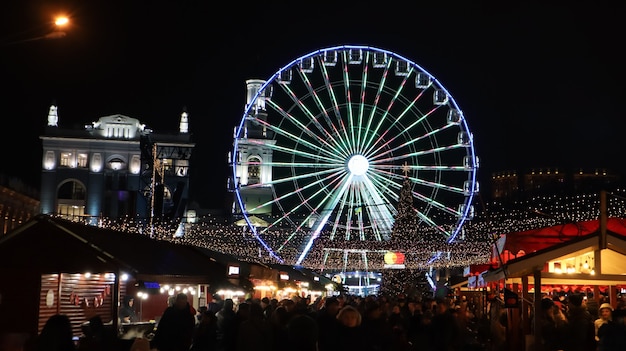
{"x":53,"y":117}
{"x":184,"y":122}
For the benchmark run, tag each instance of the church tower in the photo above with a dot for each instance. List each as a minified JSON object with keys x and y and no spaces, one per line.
{"x":253,"y":156}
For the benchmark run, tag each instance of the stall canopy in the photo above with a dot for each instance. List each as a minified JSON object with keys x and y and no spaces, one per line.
{"x":48,"y":244}
{"x":602,"y":252}
{"x":517,"y":244}
{"x":541,"y":238}
{"x":236,"y":271}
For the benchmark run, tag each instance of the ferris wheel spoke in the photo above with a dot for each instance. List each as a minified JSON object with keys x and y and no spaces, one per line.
{"x":392,"y":167}
{"x":328,"y":87}
{"x":333,"y":170}
{"x":423,"y":198}
{"x":436,"y":204}
{"x":311,"y":213}
{"x":291,"y":151}
{"x":385,"y":115}
{"x":437,"y":185}
{"x":334,"y":173}
{"x":397,"y":120}
{"x":299,"y":165}
{"x":355,"y":199}
{"x":362,"y":102}
{"x":389,"y":196}
{"x":295,"y":138}
{"x":431,"y":134}
{"x":300,"y":126}
{"x":374,"y":105}
{"x":331,"y":174}
{"x":348,"y":95}
{"x":430,"y":222}
{"x":328,"y":204}
{"x":441,"y":231}
{"x":336,"y":222}
{"x":378,"y":210}
{"x":301,"y":106}
{"x":388,"y":188}
{"x":381,"y":143}
{"x":355,"y":209}
{"x":434,"y":151}
{"x":335,"y":105}
{"x":323,"y":110}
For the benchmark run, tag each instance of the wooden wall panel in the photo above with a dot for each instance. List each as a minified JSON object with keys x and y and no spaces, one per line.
{"x":77,"y":296}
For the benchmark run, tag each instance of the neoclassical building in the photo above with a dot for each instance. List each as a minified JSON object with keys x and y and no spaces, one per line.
{"x":113,"y":168}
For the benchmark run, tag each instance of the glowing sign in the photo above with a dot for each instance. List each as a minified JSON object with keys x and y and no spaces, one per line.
{"x":233,"y":270}
{"x":151,"y":285}
{"x":394,"y":260}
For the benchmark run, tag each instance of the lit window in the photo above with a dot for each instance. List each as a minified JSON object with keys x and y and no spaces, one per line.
{"x":82,"y":160}
{"x":71,"y":211}
{"x":66,"y":159}
{"x":254,"y":171}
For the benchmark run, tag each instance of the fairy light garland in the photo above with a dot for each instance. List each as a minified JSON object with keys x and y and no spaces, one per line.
{"x":495,"y":219}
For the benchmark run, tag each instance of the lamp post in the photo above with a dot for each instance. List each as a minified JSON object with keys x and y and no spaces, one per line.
{"x":60,"y":23}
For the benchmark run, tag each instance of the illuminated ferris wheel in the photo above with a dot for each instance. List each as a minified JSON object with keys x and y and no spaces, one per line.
{"x":341,"y":128}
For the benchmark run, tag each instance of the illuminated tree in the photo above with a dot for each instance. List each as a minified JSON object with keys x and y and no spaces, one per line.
{"x":405,"y":281}
{"x":405,"y":220}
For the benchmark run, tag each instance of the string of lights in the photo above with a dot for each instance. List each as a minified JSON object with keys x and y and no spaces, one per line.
{"x":474,"y":247}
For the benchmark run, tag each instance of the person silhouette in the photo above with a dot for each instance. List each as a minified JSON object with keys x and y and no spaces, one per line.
{"x":56,"y":335}
{"x":127,"y":311}
{"x":175,"y":329}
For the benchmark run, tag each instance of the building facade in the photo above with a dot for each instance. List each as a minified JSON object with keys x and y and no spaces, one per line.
{"x":114,"y":168}
{"x":516,"y":185}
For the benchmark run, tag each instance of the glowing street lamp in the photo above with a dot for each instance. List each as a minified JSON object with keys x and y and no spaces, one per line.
{"x":60,"y":22}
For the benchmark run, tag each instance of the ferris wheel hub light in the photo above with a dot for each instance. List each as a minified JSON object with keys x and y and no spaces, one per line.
{"x":358,"y":165}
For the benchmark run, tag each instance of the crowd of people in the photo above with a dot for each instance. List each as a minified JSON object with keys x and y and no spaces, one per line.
{"x":351,"y":322}
{"x":567,"y":323}
{"x":344,"y":322}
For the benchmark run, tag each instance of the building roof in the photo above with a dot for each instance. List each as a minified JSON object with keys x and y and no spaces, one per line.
{"x":610,"y":244}
{"x":541,"y":238}
{"x":47,"y":244}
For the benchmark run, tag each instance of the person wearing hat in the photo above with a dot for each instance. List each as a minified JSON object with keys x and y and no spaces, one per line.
{"x":612,"y":333}
{"x":605,"y":311}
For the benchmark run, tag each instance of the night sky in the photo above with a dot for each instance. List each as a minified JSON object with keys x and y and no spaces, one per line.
{"x":540,"y":85}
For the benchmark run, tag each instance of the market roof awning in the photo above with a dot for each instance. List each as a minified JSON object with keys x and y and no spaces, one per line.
{"x":254,"y":220}
{"x":541,"y":238}
{"x":612,"y":257}
{"x":57,"y":245}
